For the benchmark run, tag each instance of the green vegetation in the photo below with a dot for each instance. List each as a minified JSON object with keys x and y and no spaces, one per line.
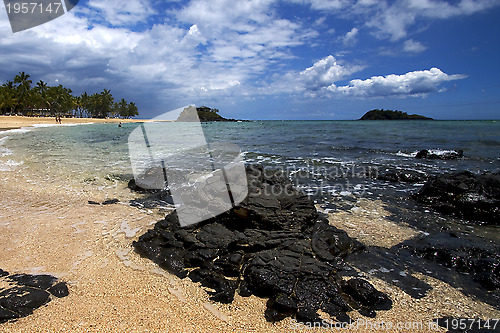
{"x":20,"y":97}
{"x":382,"y":114}
{"x":204,"y":114}
{"x":207,"y":114}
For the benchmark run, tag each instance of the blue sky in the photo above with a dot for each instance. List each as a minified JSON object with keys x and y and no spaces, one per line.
{"x":270,"y":59}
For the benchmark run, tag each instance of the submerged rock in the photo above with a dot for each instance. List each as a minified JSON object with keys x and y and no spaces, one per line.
{"x":273,"y":245}
{"x":405,"y":176}
{"x":27,"y":293}
{"x":440,"y":154}
{"x":464,"y":194}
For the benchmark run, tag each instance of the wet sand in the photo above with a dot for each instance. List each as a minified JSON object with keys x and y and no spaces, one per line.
{"x":53,"y":230}
{"x":12,"y":122}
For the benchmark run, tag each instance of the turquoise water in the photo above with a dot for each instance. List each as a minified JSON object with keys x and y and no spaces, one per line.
{"x":95,"y":151}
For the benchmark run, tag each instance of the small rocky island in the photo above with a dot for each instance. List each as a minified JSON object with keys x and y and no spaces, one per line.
{"x":382,"y":114}
{"x":204,"y":114}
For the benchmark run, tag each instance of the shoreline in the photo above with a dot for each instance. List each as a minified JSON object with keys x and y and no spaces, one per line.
{"x":48,"y":227}
{"x":112,"y":288}
{"x":16,"y":122}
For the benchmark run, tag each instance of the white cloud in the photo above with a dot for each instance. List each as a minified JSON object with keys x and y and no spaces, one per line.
{"x":118,"y":13}
{"x":217,"y":15}
{"x":324,"y":5}
{"x":313,"y":80}
{"x":413,"y":46}
{"x":320,"y":80}
{"x":323,"y":73}
{"x":350,"y":37}
{"x":329,"y":4}
{"x":394,"y":20}
{"x":416,"y":84}
{"x":220,"y":51}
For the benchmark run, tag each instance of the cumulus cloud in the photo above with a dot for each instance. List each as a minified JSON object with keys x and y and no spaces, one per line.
{"x":416,"y":84}
{"x":350,"y":37}
{"x":321,"y":80}
{"x":413,"y":46}
{"x":314,"y":80}
{"x":323,"y":73}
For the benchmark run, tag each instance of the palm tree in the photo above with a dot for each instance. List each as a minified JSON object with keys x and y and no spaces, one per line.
{"x":132,"y":110}
{"x":40,"y":95}
{"x":121,"y":108}
{"x":42,"y":87}
{"x":8,"y":100}
{"x":106,"y":102}
{"x":23,"y":89}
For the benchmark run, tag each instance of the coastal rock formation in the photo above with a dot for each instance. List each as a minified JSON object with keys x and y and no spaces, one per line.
{"x":452,"y":251}
{"x":405,"y":176}
{"x":25,"y":293}
{"x":475,"y":198}
{"x":273,"y":245}
{"x":440,"y":155}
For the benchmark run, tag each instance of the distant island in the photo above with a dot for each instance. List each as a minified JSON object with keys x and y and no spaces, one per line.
{"x":204,"y":114}
{"x":378,"y":114}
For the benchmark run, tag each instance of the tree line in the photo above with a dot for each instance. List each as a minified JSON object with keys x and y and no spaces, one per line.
{"x":21,"y":97}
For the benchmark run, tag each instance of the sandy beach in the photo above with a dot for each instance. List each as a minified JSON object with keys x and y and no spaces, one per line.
{"x":48,"y":227}
{"x":112,"y":289}
{"x":11,"y":122}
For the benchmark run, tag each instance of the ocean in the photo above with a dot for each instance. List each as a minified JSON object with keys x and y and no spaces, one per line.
{"x":321,"y":155}
{"x":335,"y":162}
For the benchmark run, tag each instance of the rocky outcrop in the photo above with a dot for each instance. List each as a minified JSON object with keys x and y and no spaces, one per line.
{"x":25,"y":293}
{"x":462,"y":255}
{"x":273,"y":245}
{"x":475,"y":198}
{"x":440,"y":154}
{"x":405,"y":176}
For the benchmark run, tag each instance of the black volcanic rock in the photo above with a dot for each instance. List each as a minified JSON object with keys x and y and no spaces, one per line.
{"x":26,"y":293}
{"x":273,"y":245}
{"x":475,"y":198}
{"x":405,"y":176}
{"x":462,"y":255}
{"x":448,"y":155}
